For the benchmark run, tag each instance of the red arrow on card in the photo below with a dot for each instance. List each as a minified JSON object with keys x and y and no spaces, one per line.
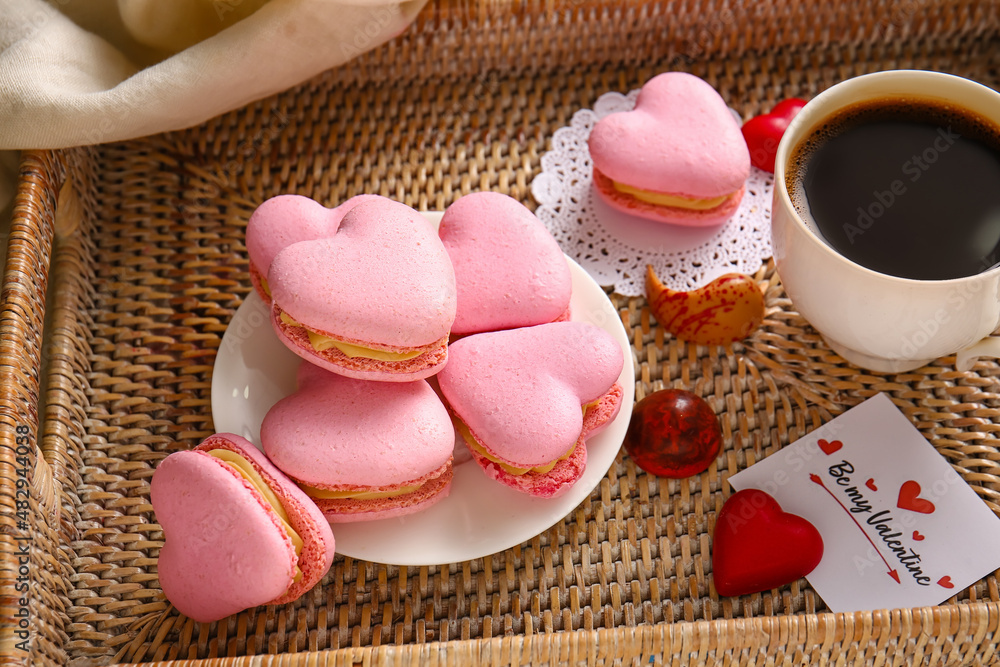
{"x":892,"y":573}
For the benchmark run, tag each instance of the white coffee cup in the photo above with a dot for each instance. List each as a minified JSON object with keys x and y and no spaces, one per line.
{"x":877,"y":321}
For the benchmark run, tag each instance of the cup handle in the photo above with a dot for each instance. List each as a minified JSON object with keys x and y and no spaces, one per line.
{"x":987,"y":347}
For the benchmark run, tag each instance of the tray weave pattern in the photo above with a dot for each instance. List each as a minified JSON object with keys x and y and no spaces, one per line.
{"x":126,"y":262}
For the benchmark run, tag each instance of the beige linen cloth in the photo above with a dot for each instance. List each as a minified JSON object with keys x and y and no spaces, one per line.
{"x":75,"y":72}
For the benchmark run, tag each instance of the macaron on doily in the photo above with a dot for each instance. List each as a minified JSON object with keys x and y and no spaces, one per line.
{"x":676,"y":143}
{"x":678,"y":157}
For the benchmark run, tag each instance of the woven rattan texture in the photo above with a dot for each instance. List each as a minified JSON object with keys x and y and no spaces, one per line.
{"x":149,"y":272}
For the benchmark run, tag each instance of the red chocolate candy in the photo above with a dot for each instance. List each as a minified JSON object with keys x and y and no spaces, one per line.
{"x":757,"y":546}
{"x":763,"y":133}
{"x":673,"y":433}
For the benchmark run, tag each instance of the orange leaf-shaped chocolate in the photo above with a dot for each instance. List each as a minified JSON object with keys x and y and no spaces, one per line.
{"x":725,"y":310}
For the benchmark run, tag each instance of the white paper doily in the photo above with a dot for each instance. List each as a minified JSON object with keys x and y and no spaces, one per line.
{"x":615,"y":247}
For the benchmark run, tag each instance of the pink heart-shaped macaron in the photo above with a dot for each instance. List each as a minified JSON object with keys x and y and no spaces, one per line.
{"x":286,"y":219}
{"x":681,"y":140}
{"x":520,"y":393}
{"x":383,"y":281}
{"x":509,"y":270}
{"x":341,"y":434}
{"x":222,"y":553}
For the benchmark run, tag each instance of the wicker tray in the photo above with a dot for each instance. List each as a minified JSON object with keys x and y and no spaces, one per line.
{"x":125,"y":263}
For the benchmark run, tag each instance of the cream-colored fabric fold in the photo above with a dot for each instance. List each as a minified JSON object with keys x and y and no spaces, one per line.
{"x":74,"y":73}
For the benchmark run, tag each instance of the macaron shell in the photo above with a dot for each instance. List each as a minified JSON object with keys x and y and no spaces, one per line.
{"x":286,"y":219}
{"x":553,"y":483}
{"x":361,"y":368}
{"x":336,"y":432}
{"x":223,"y":551}
{"x":604,"y":412}
{"x":678,"y":216}
{"x":566,"y":472}
{"x":349,"y":510}
{"x":521,"y":391}
{"x":679,"y":139}
{"x":384,"y":278}
{"x":509,"y":270}
{"x":318,"y":544}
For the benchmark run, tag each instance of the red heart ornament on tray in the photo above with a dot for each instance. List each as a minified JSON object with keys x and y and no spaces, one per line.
{"x":763,"y":133}
{"x":758,"y":546}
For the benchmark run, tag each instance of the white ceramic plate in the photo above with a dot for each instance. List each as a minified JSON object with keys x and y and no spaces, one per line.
{"x":253,"y":370}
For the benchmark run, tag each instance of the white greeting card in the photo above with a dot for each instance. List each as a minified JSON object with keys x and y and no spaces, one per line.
{"x":900,"y":527}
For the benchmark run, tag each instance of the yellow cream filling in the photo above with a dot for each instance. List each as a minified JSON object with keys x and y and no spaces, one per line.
{"x":263,"y":284}
{"x":664,"y":199}
{"x":466,"y":434}
{"x":247,"y":472}
{"x":321,"y":342}
{"x":328,"y":494}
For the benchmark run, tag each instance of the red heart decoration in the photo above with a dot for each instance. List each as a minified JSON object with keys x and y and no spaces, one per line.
{"x":763,"y":133}
{"x":757,"y":546}
{"x":917,"y":536}
{"x":871,"y":484}
{"x":945,"y":582}
{"x":830,"y":447}
{"x":909,"y":499}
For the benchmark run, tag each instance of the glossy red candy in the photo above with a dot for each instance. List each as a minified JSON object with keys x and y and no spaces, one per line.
{"x":757,"y":546}
{"x":763,"y":133}
{"x":673,"y":433}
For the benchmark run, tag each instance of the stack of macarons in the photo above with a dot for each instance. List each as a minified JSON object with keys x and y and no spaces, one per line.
{"x":409,"y":336}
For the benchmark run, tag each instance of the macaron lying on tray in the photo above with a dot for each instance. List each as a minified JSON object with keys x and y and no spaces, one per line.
{"x":238,"y":533}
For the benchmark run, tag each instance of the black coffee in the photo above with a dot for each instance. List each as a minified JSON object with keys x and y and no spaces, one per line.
{"x":906,"y":187}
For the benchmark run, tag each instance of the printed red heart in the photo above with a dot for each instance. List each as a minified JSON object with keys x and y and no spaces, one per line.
{"x":757,"y":546}
{"x":909,"y":499}
{"x":945,"y":582}
{"x":830,"y":447}
{"x":871,"y":484}
{"x":763,"y":133}
{"x":917,"y":536}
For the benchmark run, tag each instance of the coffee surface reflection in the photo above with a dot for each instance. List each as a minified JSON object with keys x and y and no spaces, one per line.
{"x":906,"y":187}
